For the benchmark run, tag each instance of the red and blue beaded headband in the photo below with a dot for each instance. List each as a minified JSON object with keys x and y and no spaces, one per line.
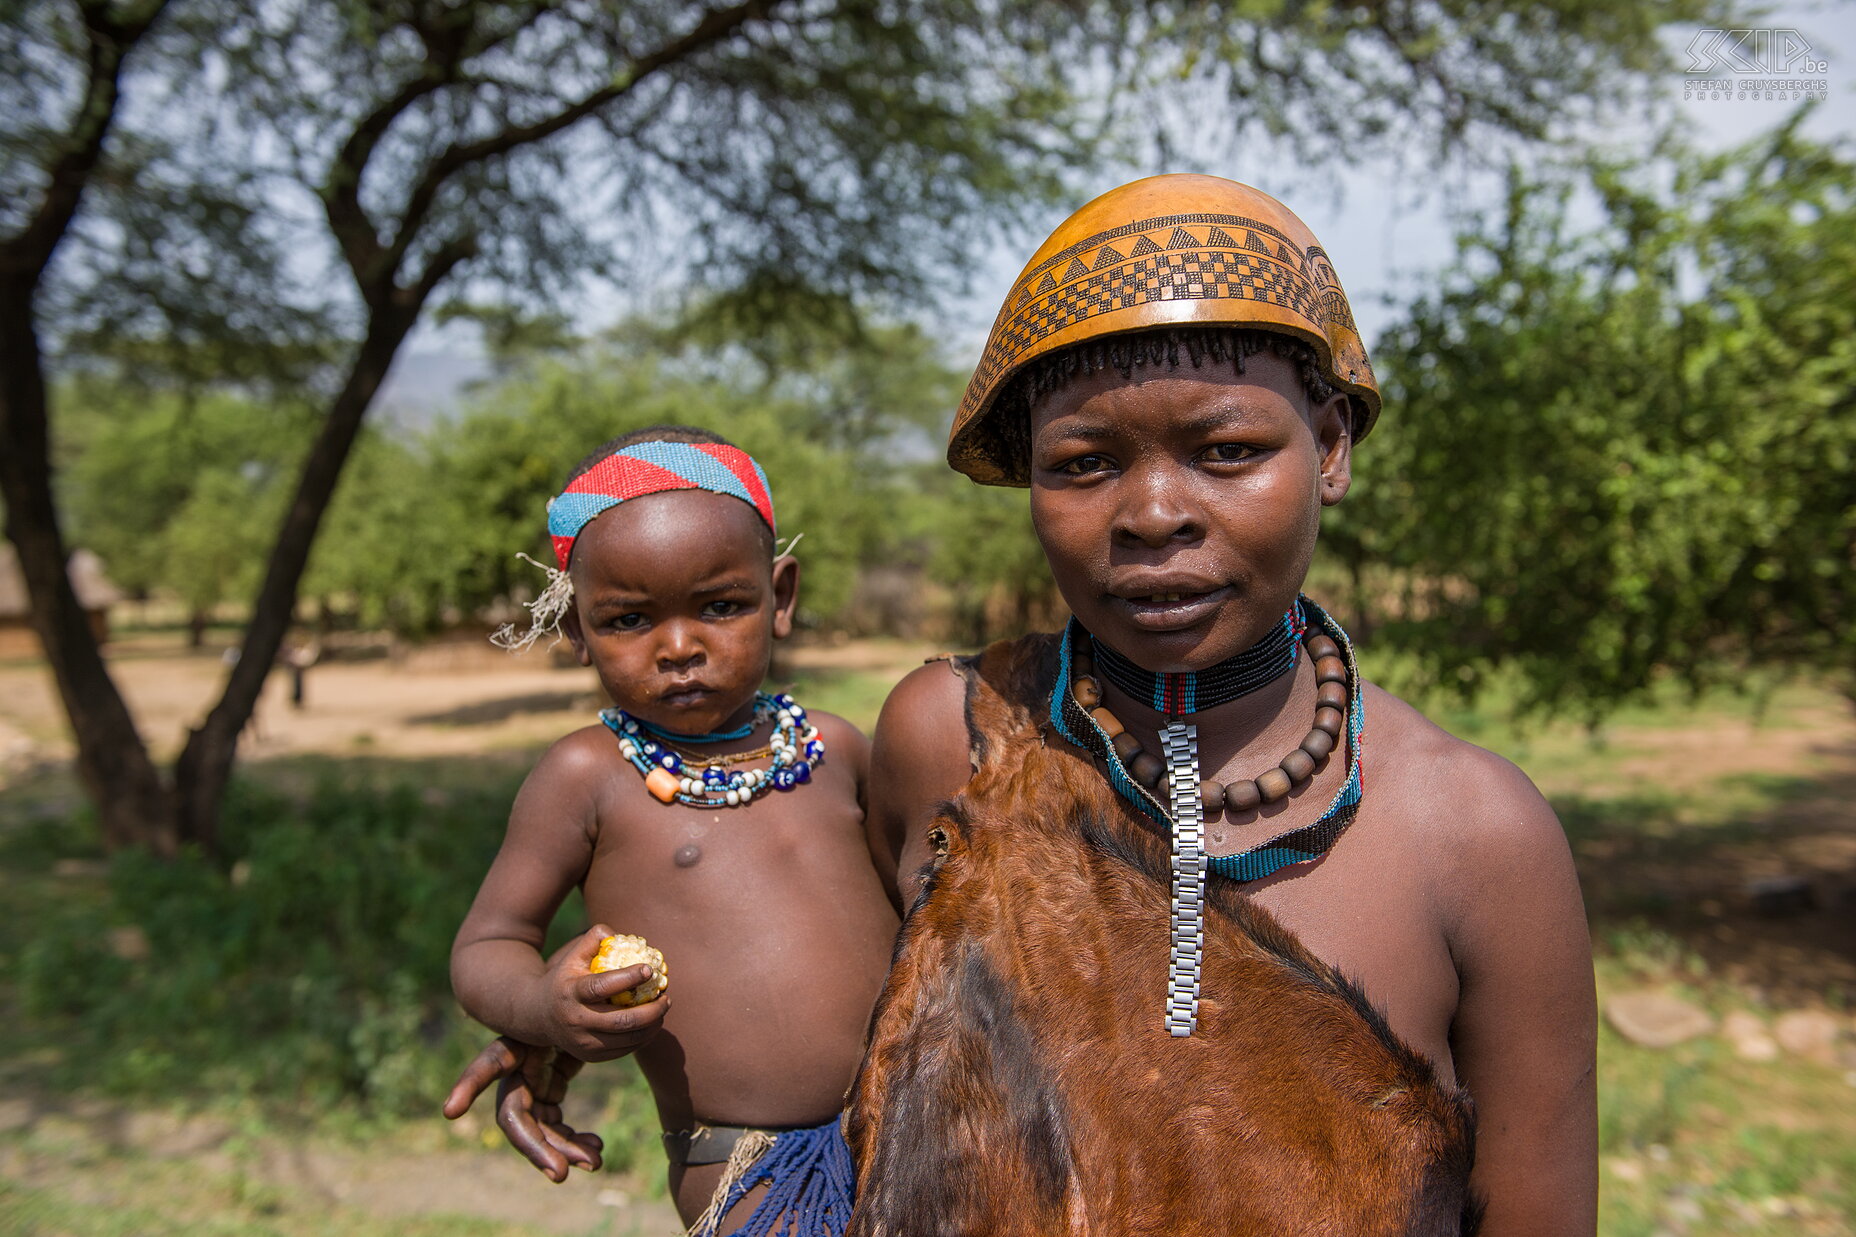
{"x":633,"y":472}
{"x":653,"y":468}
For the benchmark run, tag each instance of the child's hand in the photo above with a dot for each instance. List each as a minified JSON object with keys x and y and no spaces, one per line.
{"x":533,"y":1082}
{"x":581,"y":1019}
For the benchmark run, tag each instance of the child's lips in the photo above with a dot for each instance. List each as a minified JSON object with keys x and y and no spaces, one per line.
{"x":684,"y":695}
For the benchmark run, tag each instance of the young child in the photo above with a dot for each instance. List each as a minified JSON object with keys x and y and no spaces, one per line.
{"x":1177,"y":378}
{"x":722,"y":824}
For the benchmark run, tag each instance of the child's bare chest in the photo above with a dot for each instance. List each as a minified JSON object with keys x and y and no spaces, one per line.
{"x":681,"y":865}
{"x":775,"y":932}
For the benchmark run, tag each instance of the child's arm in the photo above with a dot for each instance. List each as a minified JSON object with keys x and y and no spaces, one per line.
{"x":497,"y":969}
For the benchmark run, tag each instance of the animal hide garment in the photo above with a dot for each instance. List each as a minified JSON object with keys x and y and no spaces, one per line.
{"x":1020,"y":1081}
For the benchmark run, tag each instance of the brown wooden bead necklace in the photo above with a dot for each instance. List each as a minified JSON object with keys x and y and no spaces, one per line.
{"x":1245,"y":794}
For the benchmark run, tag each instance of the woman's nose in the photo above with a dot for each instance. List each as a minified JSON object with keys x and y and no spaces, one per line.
{"x":1157,"y":508}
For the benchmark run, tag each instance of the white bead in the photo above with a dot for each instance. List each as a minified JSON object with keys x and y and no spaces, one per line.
{"x":628,"y":750}
{"x":734,"y":798}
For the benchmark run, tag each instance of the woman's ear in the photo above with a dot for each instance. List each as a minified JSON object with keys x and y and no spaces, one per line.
{"x":1333,"y":425}
{"x":785,"y":595}
{"x":570,"y":627}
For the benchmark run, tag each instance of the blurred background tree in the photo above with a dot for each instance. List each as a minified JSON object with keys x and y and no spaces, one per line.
{"x":1627,"y":452}
{"x":273,"y":196}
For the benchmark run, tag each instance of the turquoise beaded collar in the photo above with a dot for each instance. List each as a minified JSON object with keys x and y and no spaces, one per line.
{"x":1299,"y":845}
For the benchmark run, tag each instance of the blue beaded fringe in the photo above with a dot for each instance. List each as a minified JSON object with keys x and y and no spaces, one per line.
{"x":812,"y":1185}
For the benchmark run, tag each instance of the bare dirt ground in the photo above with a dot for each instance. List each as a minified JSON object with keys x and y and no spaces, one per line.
{"x":448,"y":699}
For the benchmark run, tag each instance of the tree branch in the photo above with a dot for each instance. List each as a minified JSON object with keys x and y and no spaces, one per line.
{"x":25,"y":255}
{"x":717,"y":25}
{"x":341,"y":195}
{"x":447,"y":256}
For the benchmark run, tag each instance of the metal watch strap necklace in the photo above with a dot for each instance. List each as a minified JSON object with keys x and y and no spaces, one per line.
{"x":1079,"y":715}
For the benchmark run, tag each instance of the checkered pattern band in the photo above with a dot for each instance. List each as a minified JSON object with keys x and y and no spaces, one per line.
{"x":653,"y":468}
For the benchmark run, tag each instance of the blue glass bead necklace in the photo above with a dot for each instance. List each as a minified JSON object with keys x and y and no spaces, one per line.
{"x":681,"y":777}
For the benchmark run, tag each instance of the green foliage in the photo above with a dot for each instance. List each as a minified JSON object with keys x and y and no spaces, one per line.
{"x":434,"y":526}
{"x":311,"y":965}
{"x":175,"y":490}
{"x":1613,"y":456}
{"x":986,"y":554}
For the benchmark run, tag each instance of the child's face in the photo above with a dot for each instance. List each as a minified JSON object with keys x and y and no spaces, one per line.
{"x":677,"y":606}
{"x":1179,"y":510}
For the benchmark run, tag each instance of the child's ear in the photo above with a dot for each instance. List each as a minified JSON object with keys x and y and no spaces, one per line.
{"x":1333,"y":424}
{"x":785,"y":595}
{"x":570,"y":627}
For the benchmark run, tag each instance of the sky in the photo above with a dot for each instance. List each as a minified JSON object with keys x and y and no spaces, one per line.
{"x":1387,"y":227}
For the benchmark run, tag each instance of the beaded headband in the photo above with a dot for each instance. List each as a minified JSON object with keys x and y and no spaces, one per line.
{"x":633,"y":472}
{"x":653,"y":468}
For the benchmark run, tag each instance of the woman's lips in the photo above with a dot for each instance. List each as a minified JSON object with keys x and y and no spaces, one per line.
{"x":1170,"y":611}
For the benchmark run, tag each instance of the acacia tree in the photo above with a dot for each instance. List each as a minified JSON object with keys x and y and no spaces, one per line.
{"x":1629,"y":453}
{"x":188,"y":170}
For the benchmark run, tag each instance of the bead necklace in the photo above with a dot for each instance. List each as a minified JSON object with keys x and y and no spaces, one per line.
{"x":714,"y":736}
{"x":1077,"y":714}
{"x":670,"y":775}
{"x":1257,"y":666}
{"x":1331,"y":699}
{"x":701,"y":759}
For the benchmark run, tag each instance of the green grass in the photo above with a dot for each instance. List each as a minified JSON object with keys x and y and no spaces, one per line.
{"x":1726,"y":1146}
{"x":305,"y":971}
{"x":171,"y":1202}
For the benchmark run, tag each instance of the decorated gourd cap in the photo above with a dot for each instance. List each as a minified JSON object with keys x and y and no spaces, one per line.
{"x":1168,"y":251}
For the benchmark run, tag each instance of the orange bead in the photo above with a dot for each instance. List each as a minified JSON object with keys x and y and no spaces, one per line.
{"x":662,"y":784}
{"x":1111,"y":725}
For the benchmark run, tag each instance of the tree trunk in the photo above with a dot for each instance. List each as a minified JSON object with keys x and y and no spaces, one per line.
{"x":205,"y":764}
{"x":134,"y":806}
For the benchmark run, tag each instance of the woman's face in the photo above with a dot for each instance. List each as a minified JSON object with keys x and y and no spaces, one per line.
{"x":1179,"y":509}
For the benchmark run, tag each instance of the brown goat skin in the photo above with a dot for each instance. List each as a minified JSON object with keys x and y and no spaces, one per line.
{"x":1020,"y":1082}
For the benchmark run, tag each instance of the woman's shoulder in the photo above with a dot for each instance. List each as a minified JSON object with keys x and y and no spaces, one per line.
{"x":1462,"y":801}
